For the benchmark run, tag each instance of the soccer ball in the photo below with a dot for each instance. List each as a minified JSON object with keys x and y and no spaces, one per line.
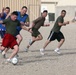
{"x":14,"y":61}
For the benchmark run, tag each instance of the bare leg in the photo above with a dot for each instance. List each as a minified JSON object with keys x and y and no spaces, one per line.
{"x":4,"y":52}
{"x":15,"y":51}
{"x":57,"y":50}
{"x":46,"y":43}
{"x":61,"y":43}
{"x":2,"y":48}
{"x":19,"y":39}
{"x":39,"y":37}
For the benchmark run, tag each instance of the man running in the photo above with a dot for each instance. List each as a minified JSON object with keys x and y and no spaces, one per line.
{"x":37,"y":23}
{"x":56,"y":33}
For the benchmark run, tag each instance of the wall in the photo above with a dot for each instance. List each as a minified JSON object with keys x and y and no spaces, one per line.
{"x":69,"y":9}
{"x":33,"y":6}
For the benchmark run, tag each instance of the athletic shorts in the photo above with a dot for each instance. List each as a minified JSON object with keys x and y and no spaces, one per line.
{"x":54,"y":35}
{"x":35,"y":32}
{"x":2,"y":33}
{"x":9,"y":41}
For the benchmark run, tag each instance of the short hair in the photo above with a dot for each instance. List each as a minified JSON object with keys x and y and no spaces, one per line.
{"x":7,"y":8}
{"x":45,"y":11}
{"x":24,"y":7}
{"x":14,"y":13}
{"x":63,"y":11}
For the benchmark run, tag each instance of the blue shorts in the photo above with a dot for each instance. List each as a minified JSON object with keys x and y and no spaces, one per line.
{"x":2,"y":33}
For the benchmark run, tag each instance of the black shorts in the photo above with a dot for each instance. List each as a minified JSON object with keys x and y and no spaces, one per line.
{"x":2,"y":33}
{"x":35,"y":32}
{"x":54,"y":35}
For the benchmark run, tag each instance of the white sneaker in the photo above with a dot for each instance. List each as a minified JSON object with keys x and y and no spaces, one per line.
{"x":26,"y":49}
{"x":57,"y":50}
{"x":30,"y":41}
{"x":42,"y":51}
{"x":8,"y":60}
{"x":4,"y":54}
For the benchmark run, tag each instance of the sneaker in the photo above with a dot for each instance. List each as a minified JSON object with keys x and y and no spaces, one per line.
{"x":8,"y":60}
{"x":3,"y":54}
{"x":57,"y":51}
{"x":26,"y":49}
{"x":30,"y":41}
{"x":42,"y":51}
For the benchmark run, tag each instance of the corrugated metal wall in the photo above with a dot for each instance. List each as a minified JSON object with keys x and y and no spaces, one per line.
{"x":33,"y":6}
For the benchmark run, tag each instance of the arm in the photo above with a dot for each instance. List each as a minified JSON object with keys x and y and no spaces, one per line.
{"x":8,"y":16}
{"x":27,"y":21}
{"x":45,"y":25}
{"x":2,"y":12}
{"x":63,"y":24}
{"x":60,"y":21}
{"x":26,"y":28}
{"x":22,"y":24}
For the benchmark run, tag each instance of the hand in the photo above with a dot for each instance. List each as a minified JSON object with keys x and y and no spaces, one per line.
{"x":29,"y":29}
{"x":3,"y":9}
{"x":47,"y":24}
{"x":27,"y":24}
{"x":67,"y":22}
{"x":22,"y":23}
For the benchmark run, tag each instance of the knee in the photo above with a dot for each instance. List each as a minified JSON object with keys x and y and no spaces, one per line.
{"x":16,"y":48}
{"x":20,"y":38}
{"x":41,"y":38}
{"x":2,"y":48}
{"x":63,"y":40}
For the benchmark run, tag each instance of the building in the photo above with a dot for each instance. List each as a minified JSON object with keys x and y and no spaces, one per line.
{"x":49,"y":5}
{"x":33,"y":6}
{"x":69,"y":6}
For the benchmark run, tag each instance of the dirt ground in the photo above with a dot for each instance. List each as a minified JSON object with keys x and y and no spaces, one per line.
{"x":33,"y":63}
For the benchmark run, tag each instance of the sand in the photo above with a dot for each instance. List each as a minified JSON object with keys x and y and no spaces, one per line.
{"x":33,"y":63}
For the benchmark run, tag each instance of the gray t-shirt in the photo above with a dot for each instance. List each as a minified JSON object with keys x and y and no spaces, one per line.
{"x":56,"y":27}
{"x":39,"y":22}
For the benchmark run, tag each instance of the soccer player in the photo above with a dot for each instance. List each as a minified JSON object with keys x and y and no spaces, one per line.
{"x":56,"y":33}
{"x":24,"y":19}
{"x":37,"y":23}
{"x":9,"y":39}
{"x":3,"y":14}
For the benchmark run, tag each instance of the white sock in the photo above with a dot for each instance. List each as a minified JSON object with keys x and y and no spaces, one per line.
{"x":57,"y":48}
{"x":3,"y":53}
